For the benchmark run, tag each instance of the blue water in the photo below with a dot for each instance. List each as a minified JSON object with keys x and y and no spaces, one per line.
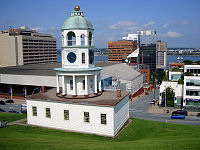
{"x":170,"y":58}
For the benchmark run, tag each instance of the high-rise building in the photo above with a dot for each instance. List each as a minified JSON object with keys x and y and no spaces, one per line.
{"x":148,"y":49}
{"x":25,"y":46}
{"x":161,"y":54}
{"x":119,"y":50}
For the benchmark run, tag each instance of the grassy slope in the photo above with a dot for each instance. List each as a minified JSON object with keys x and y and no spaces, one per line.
{"x":9,"y":117}
{"x":139,"y":135}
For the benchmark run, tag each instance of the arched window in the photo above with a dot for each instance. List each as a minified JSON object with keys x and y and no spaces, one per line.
{"x":82,"y":39}
{"x":90,"y":39}
{"x":71,"y":38}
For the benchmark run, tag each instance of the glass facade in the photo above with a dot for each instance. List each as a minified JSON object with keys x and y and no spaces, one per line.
{"x":192,"y":82}
{"x":148,"y":50}
{"x":175,"y":77}
{"x":193,"y":92}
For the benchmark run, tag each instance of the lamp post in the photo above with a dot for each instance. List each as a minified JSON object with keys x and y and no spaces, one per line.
{"x":165,"y":97}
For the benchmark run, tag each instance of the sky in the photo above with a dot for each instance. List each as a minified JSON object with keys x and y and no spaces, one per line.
{"x":176,"y":22}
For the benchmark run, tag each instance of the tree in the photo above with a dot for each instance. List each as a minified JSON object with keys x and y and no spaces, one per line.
{"x":198,"y":62}
{"x":180,"y":81}
{"x":169,"y":97}
{"x":166,"y":77}
{"x":160,"y":77}
{"x":187,"y":62}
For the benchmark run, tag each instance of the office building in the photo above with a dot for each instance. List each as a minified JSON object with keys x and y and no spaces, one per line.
{"x":26,"y":46}
{"x":161,"y":54}
{"x":148,"y":48}
{"x":119,"y":50}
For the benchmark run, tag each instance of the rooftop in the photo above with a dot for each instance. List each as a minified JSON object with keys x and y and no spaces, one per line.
{"x":40,"y":69}
{"x":107,"y":98}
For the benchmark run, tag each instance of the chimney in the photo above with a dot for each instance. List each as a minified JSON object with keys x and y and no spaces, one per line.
{"x":43,"y":89}
{"x":118,"y":92}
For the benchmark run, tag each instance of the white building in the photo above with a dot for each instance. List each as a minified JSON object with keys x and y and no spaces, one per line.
{"x":78,"y":104}
{"x":191,"y":92}
{"x":133,"y":37}
{"x":188,"y":94}
{"x":103,"y":115}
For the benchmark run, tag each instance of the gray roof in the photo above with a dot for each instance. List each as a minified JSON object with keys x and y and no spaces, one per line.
{"x":40,"y":69}
{"x":121,"y":71}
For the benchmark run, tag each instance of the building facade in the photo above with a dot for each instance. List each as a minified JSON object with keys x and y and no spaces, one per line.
{"x":148,"y":48}
{"x":25,"y":46}
{"x":162,"y":54}
{"x":191,"y":91}
{"x":119,"y":50}
{"x":176,"y":71}
{"x":144,"y":69}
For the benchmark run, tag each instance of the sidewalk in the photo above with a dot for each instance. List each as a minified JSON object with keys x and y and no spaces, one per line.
{"x":18,"y":122}
{"x":154,"y":109}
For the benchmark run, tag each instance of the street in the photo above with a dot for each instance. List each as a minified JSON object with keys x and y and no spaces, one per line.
{"x":138,"y":109}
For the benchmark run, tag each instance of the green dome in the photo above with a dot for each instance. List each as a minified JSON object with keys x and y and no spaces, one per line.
{"x":77,"y":22}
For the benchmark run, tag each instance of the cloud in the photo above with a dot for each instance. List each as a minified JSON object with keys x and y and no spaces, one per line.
{"x":165,"y":26}
{"x":149,"y":24}
{"x":52,"y":29}
{"x":124,"y":25}
{"x":171,"y":35}
{"x":185,"y":22}
{"x":175,"y":24}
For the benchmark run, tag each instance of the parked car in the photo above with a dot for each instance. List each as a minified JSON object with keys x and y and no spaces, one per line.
{"x":146,"y":93}
{"x":2,"y":103}
{"x":9,"y":101}
{"x":177,"y":116}
{"x":1,"y":110}
{"x":198,"y":115}
{"x":182,"y":112}
{"x":152,"y":101}
{"x":13,"y":111}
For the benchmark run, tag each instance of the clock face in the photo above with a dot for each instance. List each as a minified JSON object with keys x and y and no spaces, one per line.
{"x":91,"y":57}
{"x":71,"y":57}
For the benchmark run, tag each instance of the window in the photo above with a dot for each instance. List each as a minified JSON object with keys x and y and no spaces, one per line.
{"x":83,"y":58}
{"x":71,"y":84}
{"x":48,"y":113}
{"x":86,"y":117}
{"x":66,"y":114}
{"x":34,"y":111}
{"x":83,"y":85}
{"x":103,"y":119}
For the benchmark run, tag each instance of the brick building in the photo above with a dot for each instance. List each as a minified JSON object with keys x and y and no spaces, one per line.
{"x":119,"y":50}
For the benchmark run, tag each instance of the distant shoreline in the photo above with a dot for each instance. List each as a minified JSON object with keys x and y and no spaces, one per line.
{"x":183,"y":54}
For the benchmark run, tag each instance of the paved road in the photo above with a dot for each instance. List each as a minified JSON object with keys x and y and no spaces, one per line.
{"x":138,"y":109}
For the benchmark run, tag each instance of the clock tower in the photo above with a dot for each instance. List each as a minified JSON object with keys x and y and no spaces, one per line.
{"x":78,"y":75}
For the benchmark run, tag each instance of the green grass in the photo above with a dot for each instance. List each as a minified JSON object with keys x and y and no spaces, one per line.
{"x":9,"y":117}
{"x":139,"y":135}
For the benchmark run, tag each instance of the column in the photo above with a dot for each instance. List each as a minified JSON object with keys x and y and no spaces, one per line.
{"x":57,"y":84}
{"x":74,"y":85}
{"x":86,"y":85}
{"x":100,"y":91}
{"x":11,"y":92}
{"x":95,"y":84}
{"x":63,"y":86}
